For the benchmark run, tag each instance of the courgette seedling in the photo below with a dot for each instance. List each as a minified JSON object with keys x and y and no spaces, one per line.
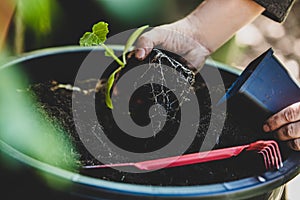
{"x":97,"y":38}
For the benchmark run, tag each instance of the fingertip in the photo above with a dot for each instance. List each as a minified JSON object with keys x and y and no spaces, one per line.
{"x":294,"y":144}
{"x":140,"y":53}
{"x":266,"y":128}
{"x":192,"y":68}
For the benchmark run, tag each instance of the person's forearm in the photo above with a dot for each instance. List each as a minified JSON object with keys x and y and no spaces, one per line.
{"x":6,"y":13}
{"x":219,"y":20}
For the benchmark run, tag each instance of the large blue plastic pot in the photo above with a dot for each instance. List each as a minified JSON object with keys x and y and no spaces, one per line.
{"x":62,"y":64}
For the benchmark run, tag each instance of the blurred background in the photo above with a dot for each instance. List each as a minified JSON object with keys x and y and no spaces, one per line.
{"x":39,"y":24}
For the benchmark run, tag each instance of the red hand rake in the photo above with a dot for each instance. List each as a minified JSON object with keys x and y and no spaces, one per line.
{"x":268,"y":149}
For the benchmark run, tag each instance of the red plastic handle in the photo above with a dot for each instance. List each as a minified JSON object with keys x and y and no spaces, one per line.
{"x":190,"y":158}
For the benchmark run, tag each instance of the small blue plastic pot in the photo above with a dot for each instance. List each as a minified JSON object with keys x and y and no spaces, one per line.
{"x":264,"y":88}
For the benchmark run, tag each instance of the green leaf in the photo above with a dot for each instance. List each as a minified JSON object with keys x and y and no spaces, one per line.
{"x":89,"y":39}
{"x":101,"y":30}
{"x":133,"y":37}
{"x":97,"y":37}
{"x":110,"y":83}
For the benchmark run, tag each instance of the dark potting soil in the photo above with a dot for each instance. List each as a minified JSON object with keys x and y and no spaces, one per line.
{"x":56,"y":99}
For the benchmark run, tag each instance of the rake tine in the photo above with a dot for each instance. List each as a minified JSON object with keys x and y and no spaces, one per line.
{"x":272,"y":160}
{"x":275,"y":156}
{"x":266,"y":153}
{"x":278,"y":154}
{"x":265,"y":159}
{"x":269,"y":156}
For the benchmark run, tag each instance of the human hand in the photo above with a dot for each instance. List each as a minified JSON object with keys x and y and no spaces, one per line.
{"x":199,"y":34}
{"x":286,"y":123}
{"x":176,"y":38}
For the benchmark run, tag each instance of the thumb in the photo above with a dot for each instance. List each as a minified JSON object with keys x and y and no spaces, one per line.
{"x":147,"y":41}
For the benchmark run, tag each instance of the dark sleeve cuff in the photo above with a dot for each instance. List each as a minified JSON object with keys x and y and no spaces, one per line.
{"x":277,"y":10}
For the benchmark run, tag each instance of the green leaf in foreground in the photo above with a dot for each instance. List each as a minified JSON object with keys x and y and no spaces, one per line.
{"x":133,"y":37}
{"x":110,"y":83}
{"x":96,"y":37}
{"x":28,"y":128}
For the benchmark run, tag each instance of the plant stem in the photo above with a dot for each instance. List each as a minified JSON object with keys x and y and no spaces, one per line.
{"x":112,"y":54}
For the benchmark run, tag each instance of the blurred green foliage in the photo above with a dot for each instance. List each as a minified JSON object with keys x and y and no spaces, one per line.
{"x":37,"y":14}
{"x":132,"y":10}
{"x":228,"y":52}
{"x":25,"y":126}
{"x":59,"y":23}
